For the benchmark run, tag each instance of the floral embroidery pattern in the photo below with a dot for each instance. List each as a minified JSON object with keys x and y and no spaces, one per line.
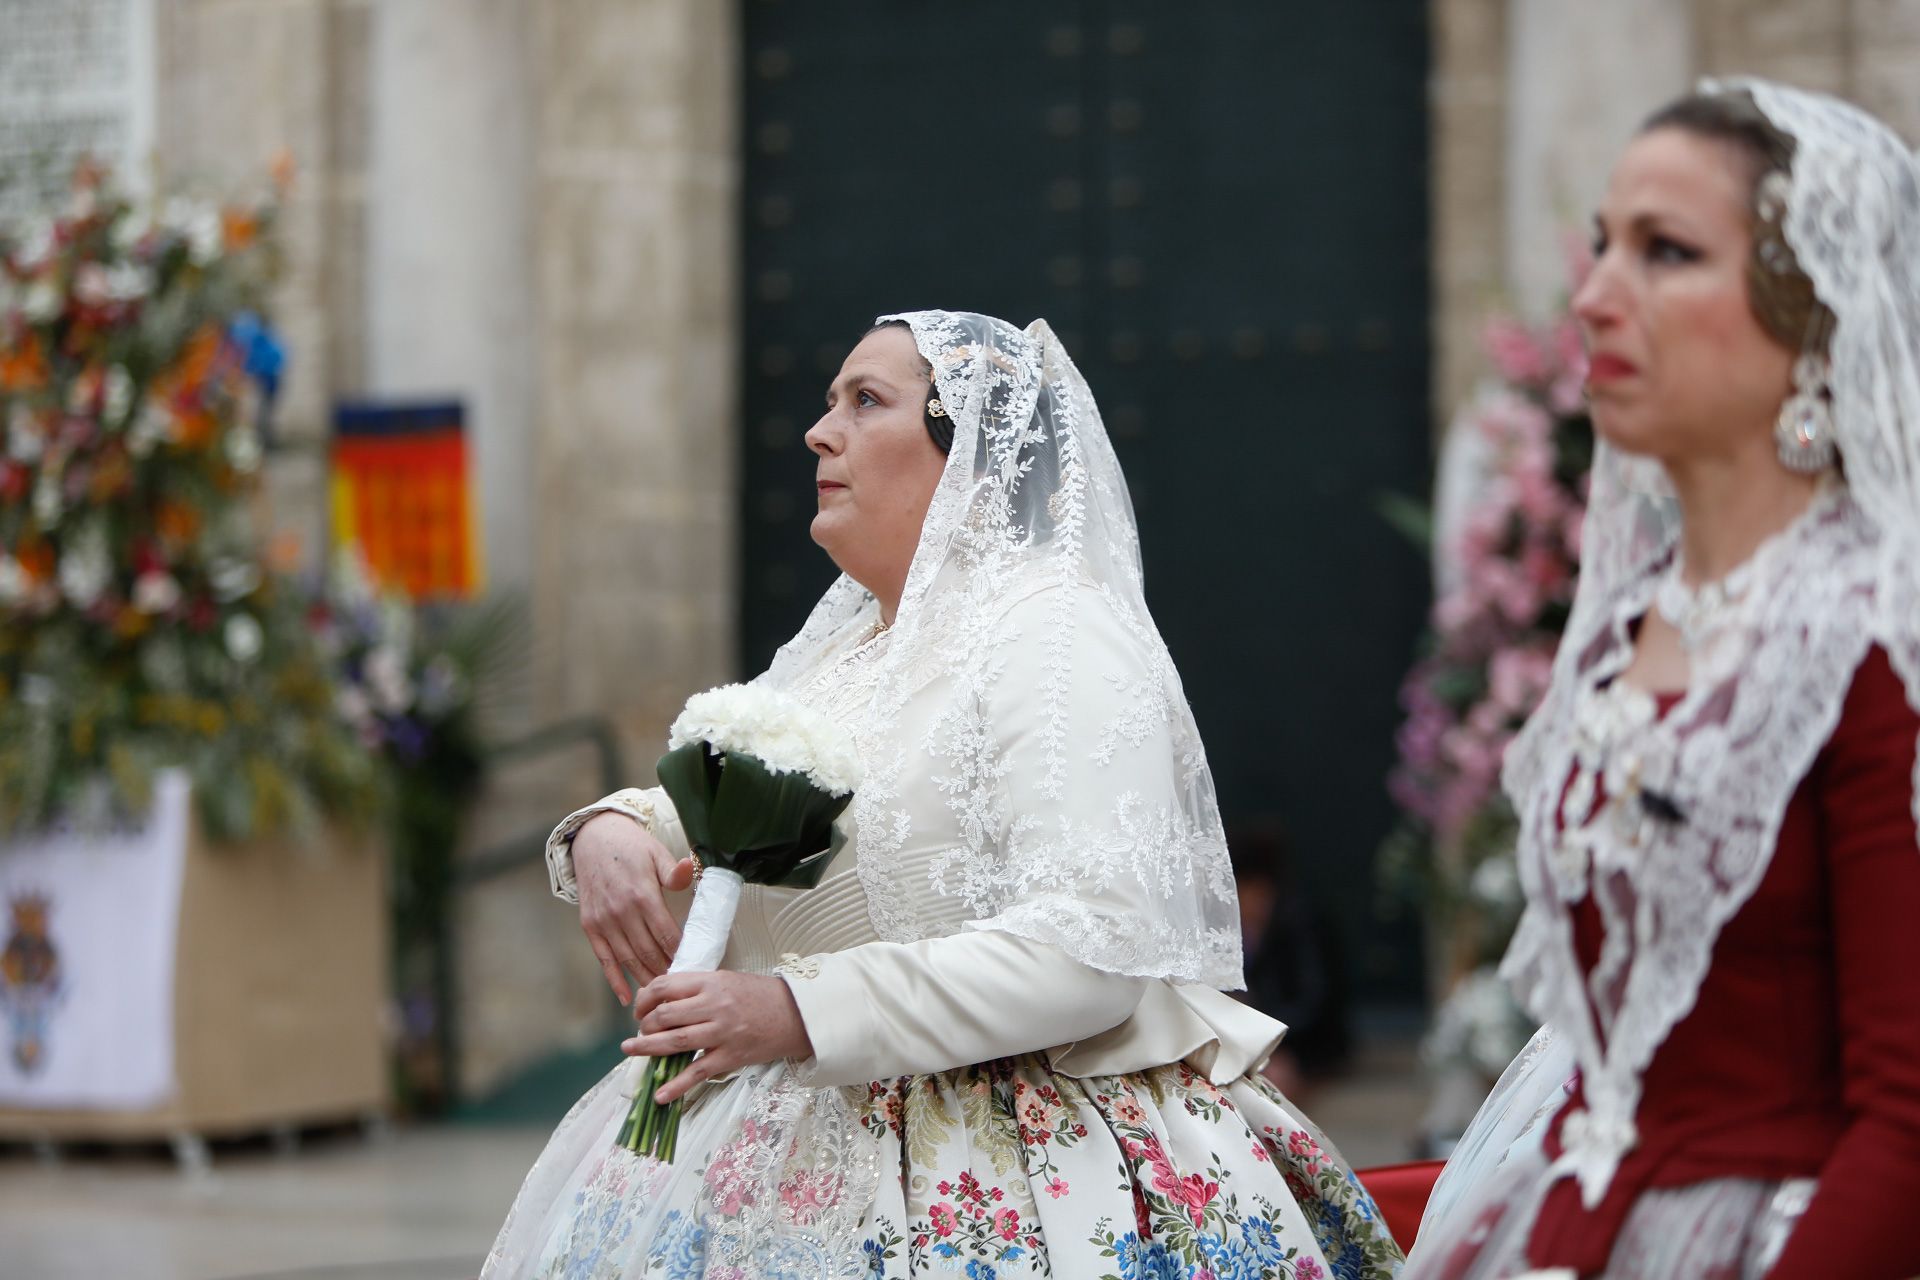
{"x":1003,"y":1171}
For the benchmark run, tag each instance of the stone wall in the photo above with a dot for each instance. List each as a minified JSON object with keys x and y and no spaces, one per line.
{"x":1532,"y":99}
{"x":530,"y":208}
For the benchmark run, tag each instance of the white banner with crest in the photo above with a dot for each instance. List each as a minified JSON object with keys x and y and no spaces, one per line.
{"x":88,"y":925}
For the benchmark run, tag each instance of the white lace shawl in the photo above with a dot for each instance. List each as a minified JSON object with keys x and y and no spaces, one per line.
{"x":1000,"y":699}
{"x":1696,"y":799}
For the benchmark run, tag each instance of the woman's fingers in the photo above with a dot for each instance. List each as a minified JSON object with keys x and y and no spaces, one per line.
{"x":648,"y":914}
{"x":667,"y":1014}
{"x":688,"y":1039}
{"x":704,"y":1067}
{"x":610,"y":966}
{"x":668,"y":986}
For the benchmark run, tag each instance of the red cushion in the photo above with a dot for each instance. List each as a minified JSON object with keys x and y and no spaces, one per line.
{"x":1401,"y":1191}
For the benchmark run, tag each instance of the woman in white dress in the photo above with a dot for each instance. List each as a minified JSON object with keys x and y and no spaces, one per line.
{"x":993,"y":1041}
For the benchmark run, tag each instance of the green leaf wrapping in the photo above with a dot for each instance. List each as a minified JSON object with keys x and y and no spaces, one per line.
{"x":769,"y":828}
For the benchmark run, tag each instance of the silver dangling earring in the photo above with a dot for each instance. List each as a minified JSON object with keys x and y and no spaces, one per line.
{"x":1803,"y":433}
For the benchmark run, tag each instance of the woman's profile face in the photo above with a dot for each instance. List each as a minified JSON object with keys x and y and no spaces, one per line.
{"x":877,"y":466}
{"x":1679,"y":367}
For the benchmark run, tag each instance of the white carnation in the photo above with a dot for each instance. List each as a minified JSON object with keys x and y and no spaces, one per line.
{"x":244,"y":637}
{"x":155,"y":591}
{"x":776,"y":729}
{"x":119,"y":395}
{"x":42,"y":303}
{"x":86,"y":569}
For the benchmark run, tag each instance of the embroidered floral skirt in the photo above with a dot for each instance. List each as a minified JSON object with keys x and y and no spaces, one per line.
{"x":990,"y":1172}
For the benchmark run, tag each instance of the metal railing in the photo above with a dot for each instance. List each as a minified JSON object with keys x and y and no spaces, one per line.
{"x":508,"y":855}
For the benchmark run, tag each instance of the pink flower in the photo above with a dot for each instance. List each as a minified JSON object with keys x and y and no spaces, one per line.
{"x":808,"y":1194}
{"x":1307,"y":1269}
{"x":1516,"y":678}
{"x":1516,"y":354}
{"x":944,"y":1218}
{"x":1127,"y":1110}
{"x":1196,"y":1193}
{"x":1260,"y":1154}
{"x":1006,"y":1224}
{"x":1057,"y":1187}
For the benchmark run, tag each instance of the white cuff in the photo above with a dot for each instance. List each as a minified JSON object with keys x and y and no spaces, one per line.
{"x":632,"y":801}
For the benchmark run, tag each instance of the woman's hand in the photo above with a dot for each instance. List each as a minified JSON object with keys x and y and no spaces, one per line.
{"x":623,"y":875}
{"x":734,"y":1019}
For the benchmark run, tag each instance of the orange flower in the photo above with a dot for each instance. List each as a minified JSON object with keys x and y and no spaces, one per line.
{"x":197,"y":361}
{"x":111,"y":476}
{"x":177,"y":522}
{"x":23,"y":368}
{"x":285,"y":554}
{"x":36,"y":558}
{"x":241,"y":228}
{"x":129,"y":623}
{"x":195,"y":430}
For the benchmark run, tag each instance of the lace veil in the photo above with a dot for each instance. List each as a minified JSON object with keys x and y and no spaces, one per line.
{"x":1694,"y":800}
{"x":998,"y":684}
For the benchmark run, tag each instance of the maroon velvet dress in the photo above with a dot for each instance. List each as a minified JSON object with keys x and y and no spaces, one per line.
{"x":1801,"y":1057}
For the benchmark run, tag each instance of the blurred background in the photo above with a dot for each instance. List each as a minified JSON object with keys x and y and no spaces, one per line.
{"x":403,"y":405}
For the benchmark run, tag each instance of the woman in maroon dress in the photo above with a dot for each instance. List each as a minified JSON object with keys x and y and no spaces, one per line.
{"x":1717,"y":796}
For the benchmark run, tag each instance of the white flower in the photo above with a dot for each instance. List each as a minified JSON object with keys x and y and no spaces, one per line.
{"x":204,"y":236}
{"x":128,"y":282}
{"x":42,"y":303}
{"x":119,"y":395}
{"x":36,"y":246}
{"x":48,"y":505}
{"x":779,"y":731}
{"x":244,"y":637}
{"x":231,"y":579}
{"x":1496,"y":882}
{"x":24,"y":440}
{"x":13,"y":580}
{"x":90,"y":284}
{"x":131,"y":230}
{"x":243,"y":449}
{"x":151,"y":425}
{"x":352,"y":706}
{"x":386,"y":674}
{"x":155,"y":591}
{"x":86,"y":569}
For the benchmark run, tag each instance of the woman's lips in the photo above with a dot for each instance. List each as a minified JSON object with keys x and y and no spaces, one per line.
{"x":1609,"y":368}
{"x":828,"y":486}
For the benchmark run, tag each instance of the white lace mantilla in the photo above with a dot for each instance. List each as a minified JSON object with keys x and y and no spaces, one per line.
{"x":1669,"y":822}
{"x":1022,"y":709}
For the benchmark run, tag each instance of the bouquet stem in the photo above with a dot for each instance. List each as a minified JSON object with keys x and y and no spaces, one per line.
{"x":651,"y":1129}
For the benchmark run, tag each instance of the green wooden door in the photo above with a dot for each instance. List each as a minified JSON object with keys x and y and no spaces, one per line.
{"x":1222,"y":210}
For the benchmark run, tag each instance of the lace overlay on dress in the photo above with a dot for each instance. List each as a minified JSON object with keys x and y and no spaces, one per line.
{"x":1692,"y":804}
{"x":1024,"y":689}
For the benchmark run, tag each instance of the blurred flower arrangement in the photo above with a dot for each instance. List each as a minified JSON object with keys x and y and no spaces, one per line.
{"x":1506,"y":588}
{"x":140,"y":626}
{"x":413,"y":682}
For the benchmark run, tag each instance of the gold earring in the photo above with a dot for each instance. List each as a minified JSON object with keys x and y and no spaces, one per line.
{"x":935,"y":409}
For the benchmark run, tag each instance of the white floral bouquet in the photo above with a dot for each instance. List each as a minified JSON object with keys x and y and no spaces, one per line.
{"x":757,"y":779}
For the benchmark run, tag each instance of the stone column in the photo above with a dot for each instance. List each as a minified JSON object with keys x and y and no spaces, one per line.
{"x":1468,"y":97}
{"x":632,"y":174}
{"x":1581,"y":77}
{"x":449,"y":263}
{"x":636,"y":165}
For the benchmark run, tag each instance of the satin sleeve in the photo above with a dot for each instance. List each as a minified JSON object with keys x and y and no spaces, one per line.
{"x":647,"y":806}
{"x":1860,"y":1220}
{"x":885,"y":1009}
